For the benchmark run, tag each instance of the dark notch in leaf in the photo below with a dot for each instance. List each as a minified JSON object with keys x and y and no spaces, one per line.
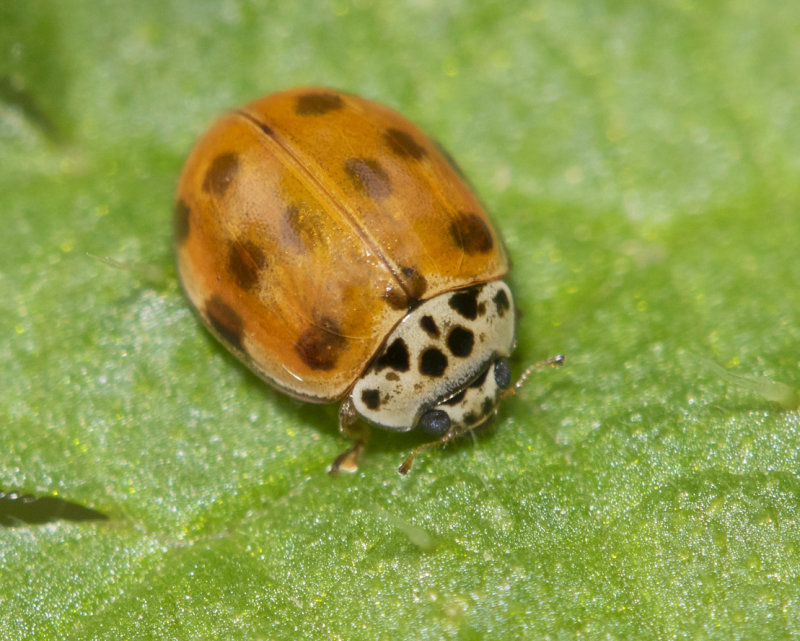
{"x":26,"y":509}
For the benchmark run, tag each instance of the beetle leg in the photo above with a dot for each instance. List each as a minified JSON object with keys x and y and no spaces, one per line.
{"x":405,"y":466}
{"x":352,"y":428}
{"x":553,"y":361}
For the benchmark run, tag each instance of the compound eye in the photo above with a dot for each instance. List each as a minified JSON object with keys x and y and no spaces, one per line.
{"x":502,"y":373}
{"x":435,"y":422}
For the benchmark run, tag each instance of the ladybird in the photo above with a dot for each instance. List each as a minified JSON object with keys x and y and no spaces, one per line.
{"x":338,"y":252}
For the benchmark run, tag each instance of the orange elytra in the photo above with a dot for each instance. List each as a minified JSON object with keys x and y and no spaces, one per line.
{"x":337,"y":251}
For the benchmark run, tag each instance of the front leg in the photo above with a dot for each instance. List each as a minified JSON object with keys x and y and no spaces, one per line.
{"x":355,"y":430}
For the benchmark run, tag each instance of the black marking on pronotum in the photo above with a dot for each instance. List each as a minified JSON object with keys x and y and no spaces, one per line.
{"x":395,"y":356}
{"x":428,"y":324}
{"x":460,"y":341}
{"x":501,"y":302}
{"x":371,"y":398}
{"x":466,"y":302}
{"x":432,"y":362}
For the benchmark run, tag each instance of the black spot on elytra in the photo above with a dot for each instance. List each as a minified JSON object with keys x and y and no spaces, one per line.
{"x":182,"y":221}
{"x":428,"y":324}
{"x":221,"y":173}
{"x":266,"y":129}
{"x":471,"y":233}
{"x":501,"y":302}
{"x":432,"y":362}
{"x":480,"y":380}
{"x":246,"y":260}
{"x":225,"y":321}
{"x":371,"y":398}
{"x":319,"y":346}
{"x":391,"y":376}
{"x":316,"y":104}
{"x":460,"y":341}
{"x":455,"y":400}
{"x":304,"y":227}
{"x":369,"y":177}
{"x":395,"y":357}
{"x":403,"y":144}
{"x":466,"y":302}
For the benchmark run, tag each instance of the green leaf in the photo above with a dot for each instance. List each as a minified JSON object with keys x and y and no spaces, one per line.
{"x":641,"y":161}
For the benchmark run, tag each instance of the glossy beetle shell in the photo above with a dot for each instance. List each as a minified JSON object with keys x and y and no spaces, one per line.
{"x":309,"y":222}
